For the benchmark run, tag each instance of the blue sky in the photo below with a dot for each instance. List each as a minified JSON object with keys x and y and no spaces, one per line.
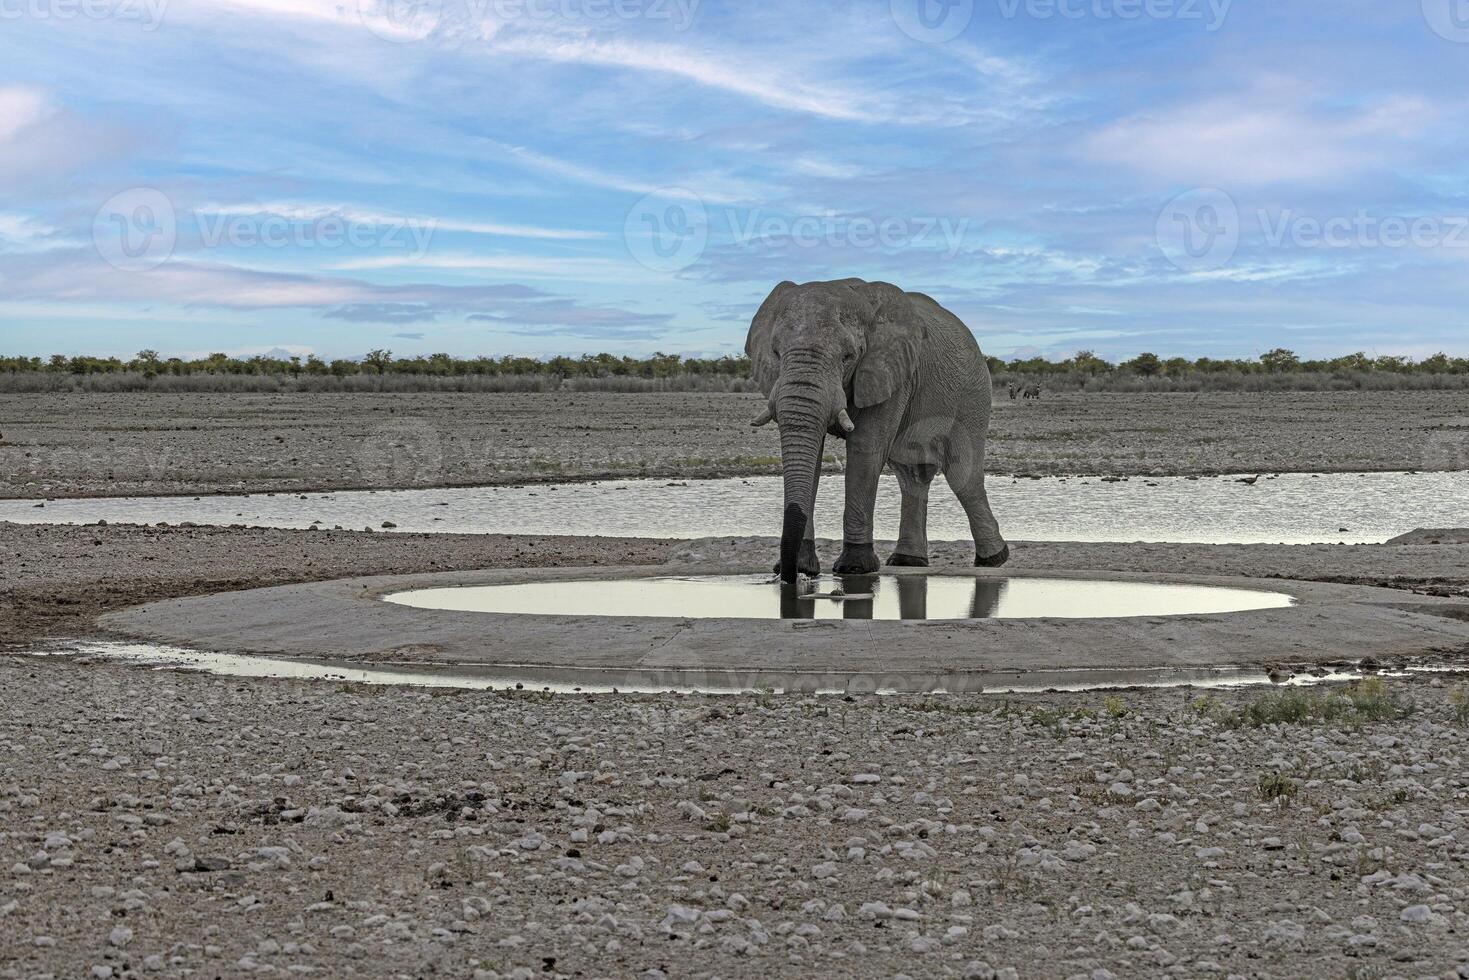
{"x":1196,"y":177}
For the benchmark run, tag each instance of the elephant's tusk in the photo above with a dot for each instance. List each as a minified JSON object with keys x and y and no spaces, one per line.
{"x":845,"y":421}
{"x":763,"y":418}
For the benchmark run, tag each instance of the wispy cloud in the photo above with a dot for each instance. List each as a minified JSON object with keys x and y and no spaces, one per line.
{"x":82,"y":277}
{"x":305,"y":212}
{"x":580,"y":269}
{"x":42,"y":143}
{"x":567,"y":318}
{"x":765,"y":83}
{"x":21,"y":106}
{"x":22,"y":233}
{"x":1262,"y":138}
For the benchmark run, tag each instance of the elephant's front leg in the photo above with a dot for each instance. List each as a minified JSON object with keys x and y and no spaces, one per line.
{"x":912,"y":549}
{"x":864,"y":466}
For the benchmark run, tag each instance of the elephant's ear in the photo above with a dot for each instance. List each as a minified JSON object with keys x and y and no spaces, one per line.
{"x":760,"y":344}
{"x":891,"y":358}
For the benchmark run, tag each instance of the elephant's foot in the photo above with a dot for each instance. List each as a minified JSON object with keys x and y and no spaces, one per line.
{"x":856,"y":559}
{"x":907,"y":561}
{"x":807,"y":562}
{"x":993,"y":561}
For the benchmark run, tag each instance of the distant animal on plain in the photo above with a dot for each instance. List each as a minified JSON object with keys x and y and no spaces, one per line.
{"x":1033,"y":391}
{"x":898,"y":377}
{"x":1014,"y":391}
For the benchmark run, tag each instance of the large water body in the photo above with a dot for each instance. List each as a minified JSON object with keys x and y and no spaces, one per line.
{"x":1352,"y":508}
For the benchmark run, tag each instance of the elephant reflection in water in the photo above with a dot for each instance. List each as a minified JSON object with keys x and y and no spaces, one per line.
{"x":912,"y":593}
{"x":913,"y":597}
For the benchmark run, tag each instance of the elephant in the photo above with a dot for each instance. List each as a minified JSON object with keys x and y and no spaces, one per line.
{"x":903,"y":381}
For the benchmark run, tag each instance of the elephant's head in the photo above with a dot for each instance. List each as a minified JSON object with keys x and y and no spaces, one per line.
{"x":819,"y":352}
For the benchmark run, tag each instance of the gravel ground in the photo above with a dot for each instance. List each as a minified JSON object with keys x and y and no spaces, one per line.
{"x":79,"y":444}
{"x":182,"y":825}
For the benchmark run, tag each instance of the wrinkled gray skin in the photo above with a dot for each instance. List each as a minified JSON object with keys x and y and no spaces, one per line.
{"x":903,"y":381}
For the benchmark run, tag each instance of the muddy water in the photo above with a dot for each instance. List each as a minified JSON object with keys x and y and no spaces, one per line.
{"x":484,"y":677}
{"x":1354,"y":508}
{"x":908,"y":597}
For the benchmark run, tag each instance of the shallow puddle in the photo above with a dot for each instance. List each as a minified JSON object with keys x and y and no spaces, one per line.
{"x":910,"y":597}
{"x":1354,"y":508}
{"x":483,"y":677}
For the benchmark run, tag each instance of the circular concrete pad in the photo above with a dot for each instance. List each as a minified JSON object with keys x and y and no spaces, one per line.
{"x":348,"y":619}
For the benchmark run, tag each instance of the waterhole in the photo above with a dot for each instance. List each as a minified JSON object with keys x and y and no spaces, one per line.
{"x":907,"y":597}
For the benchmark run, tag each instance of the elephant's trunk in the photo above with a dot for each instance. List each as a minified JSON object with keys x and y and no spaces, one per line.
{"x":803,"y":420}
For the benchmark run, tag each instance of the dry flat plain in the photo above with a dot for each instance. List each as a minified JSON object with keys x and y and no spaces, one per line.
{"x":164,"y":824}
{"x":120,"y":444}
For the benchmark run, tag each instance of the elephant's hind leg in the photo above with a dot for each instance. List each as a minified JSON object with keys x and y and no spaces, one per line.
{"x":990,"y":549}
{"x":912,"y":548}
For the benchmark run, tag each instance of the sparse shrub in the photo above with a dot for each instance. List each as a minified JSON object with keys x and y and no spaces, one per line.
{"x":379,"y":370}
{"x":1276,"y":786}
{"x":1369,"y":700}
{"x":1459,"y":702}
{"x":1374,"y":701}
{"x":1205,"y":706}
